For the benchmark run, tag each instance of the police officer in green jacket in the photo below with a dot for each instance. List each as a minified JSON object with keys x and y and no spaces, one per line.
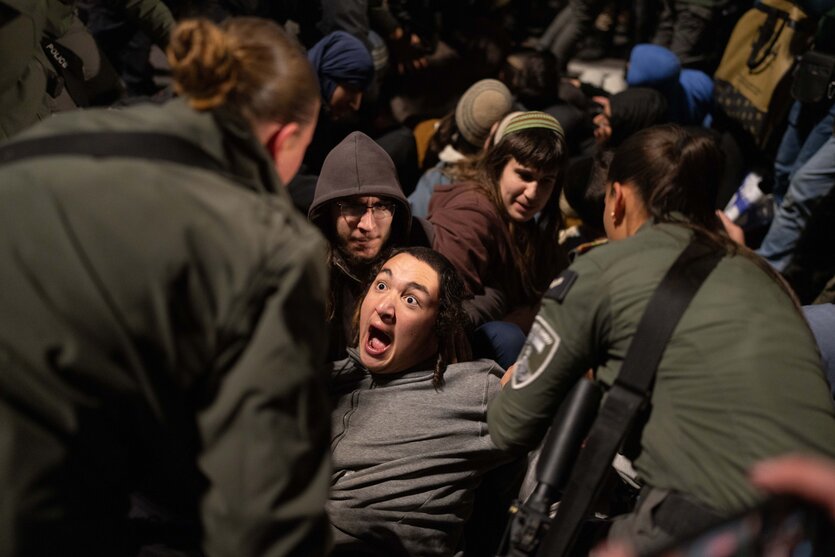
{"x":162,"y":316}
{"x":740,"y":379}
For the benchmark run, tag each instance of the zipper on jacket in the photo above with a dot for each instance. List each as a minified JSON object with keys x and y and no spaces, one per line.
{"x":346,"y":418}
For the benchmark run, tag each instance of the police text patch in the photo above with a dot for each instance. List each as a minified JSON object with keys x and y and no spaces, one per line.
{"x":537,"y":353}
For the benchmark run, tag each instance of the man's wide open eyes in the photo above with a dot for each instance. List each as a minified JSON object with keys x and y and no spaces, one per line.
{"x":380,"y":286}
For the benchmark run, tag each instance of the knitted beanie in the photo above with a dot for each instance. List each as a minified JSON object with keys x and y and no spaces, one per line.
{"x":481,"y":106}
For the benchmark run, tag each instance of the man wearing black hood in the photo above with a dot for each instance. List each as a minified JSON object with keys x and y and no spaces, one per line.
{"x":360,"y":208}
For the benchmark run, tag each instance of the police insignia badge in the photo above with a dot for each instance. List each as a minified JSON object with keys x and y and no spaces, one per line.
{"x":561,"y":285}
{"x":537,"y":353}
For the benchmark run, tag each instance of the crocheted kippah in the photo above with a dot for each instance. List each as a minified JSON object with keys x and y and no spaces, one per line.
{"x":517,"y":121}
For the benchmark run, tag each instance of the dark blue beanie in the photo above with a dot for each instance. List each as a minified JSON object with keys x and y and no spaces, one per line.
{"x":341,"y":58}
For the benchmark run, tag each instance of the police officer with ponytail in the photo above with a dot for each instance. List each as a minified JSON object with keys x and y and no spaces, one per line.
{"x":740,"y":379}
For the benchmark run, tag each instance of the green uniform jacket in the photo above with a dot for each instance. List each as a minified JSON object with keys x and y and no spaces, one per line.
{"x":161,"y":331}
{"x":740,"y":380}
{"x":23,"y":76}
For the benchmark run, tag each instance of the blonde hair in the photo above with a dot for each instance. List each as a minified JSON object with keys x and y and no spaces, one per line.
{"x":246,"y":64}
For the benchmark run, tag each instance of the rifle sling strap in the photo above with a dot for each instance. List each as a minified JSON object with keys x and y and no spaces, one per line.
{"x":630,"y":392}
{"x":142,"y":145}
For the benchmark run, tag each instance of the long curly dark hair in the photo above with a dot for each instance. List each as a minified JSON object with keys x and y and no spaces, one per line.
{"x":452,"y":324}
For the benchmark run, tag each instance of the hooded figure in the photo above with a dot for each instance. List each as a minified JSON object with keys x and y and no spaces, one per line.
{"x":357,"y":174}
{"x":340,"y":59}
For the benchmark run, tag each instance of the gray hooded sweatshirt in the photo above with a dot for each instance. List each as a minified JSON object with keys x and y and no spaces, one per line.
{"x":358,"y":166}
{"x":408,"y":458}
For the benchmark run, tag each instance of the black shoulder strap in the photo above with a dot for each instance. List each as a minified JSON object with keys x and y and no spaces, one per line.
{"x":630,"y":393}
{"x":143,"y":145}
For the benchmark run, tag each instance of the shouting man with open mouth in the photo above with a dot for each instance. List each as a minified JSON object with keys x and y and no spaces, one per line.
{"x":409,"y":437}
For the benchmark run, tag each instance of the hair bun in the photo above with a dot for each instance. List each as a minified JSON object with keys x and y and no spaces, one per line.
{"x":203,"y":63}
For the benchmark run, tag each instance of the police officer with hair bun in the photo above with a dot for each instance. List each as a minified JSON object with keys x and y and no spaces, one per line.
{"x":740,"y":379}
{"x":162,"y":312}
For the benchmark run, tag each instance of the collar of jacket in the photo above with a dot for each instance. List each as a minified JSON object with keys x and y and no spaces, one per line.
{"x":338,"y":260}
{"x":675,"y":218}
{"x":416,"y":374}
{"x":244,"y":155}
{"x":449,"y":155}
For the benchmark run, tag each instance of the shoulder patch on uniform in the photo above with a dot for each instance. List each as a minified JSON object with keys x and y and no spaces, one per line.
{"x":539,"y":350}
{"x":561,"y":285}
{"x":585,"y":248}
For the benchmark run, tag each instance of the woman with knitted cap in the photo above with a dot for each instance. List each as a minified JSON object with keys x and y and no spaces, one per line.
{"x":500,"y":230}
{"x":460,"y":138}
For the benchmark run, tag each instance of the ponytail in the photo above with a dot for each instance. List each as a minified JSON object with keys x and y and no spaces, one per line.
{"x":676,"y":175}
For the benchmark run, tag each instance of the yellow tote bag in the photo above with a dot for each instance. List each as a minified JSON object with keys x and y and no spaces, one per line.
{"x":754,"y":77}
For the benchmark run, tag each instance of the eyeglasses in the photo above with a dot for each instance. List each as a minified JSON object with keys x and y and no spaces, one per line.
{"x":353,"y":212}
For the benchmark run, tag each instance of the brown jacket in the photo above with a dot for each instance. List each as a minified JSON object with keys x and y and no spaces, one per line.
{"x":469,"y":230}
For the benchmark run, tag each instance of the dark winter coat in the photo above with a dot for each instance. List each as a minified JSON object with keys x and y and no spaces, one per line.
{"x":160,"y":333}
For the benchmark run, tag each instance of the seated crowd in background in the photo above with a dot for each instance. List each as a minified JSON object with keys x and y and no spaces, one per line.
{"x":413,"y":197}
